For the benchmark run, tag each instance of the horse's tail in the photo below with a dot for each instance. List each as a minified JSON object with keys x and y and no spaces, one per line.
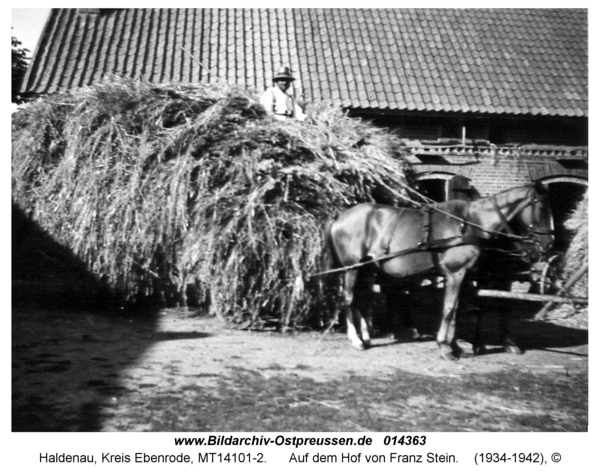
{"x":329,"y":285}
{"x":326,"y":277}
{"x":331,"y":259}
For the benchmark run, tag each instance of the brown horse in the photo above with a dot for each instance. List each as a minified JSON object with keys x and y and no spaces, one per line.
{"x":445,"y":240}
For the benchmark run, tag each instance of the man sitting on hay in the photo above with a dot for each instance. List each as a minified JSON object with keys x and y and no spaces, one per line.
{"x":278,"y":102}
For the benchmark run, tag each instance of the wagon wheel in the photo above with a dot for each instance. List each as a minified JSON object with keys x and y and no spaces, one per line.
{"x":548,"y":275}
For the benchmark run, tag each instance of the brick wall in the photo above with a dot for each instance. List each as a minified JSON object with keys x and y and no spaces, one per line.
{"x":495,"y":174}
{"x":492,"y":171}
{"x":519,"y":150}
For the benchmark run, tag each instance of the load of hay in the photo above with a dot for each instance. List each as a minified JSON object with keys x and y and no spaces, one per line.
{"x":192,"y":191}
{"x":574,"y":269}
{"x":577,"y":254}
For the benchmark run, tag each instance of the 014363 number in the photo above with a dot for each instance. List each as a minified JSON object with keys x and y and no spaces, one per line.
{"x":405,"y":440}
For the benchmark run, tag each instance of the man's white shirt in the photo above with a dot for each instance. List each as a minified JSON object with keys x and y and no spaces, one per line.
{"x":277,"y":102}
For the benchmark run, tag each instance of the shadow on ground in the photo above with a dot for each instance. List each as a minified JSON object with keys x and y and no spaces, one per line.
{"x":67,"y":365}
{"x":69,"y":342}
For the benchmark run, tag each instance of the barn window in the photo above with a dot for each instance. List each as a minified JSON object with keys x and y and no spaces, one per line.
{"x":443,"y":187}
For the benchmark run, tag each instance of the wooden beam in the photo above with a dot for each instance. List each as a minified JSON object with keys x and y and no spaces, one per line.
{"x":503,"y":294}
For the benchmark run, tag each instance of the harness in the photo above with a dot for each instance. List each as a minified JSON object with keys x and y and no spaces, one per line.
{"x":428,"y":244}
{"x":532,"y":231}
{"x":435,"y":246}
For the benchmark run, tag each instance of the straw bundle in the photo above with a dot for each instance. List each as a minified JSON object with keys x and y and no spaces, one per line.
{"x":193,"y":188}
{"x":573,"y":272}
{"x":577,"y":254}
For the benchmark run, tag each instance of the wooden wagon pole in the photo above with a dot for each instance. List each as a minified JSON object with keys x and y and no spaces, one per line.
{"x":572,"y":281}
{"x":551,"y":299}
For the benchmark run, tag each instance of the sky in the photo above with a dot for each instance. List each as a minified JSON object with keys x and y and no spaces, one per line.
{"x":27,"y":24}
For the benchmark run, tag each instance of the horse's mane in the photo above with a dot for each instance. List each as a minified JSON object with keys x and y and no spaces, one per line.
{"x":536,"y":185}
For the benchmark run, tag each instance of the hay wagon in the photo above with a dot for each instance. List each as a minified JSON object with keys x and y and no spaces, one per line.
{"x":211,"y":194}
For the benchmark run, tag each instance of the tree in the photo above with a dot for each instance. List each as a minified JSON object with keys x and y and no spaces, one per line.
{"x":19,"y":67}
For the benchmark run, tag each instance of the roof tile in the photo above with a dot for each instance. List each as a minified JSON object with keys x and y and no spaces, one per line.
{"x":530,"y":61}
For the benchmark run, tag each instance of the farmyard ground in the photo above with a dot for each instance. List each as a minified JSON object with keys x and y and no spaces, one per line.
{"x":178,"y":371}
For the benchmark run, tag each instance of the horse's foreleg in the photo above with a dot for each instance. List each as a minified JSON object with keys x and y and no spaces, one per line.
{"x":364,"y":301}
{"x":446,"y":339}
{"x":353,"y":316}
{"x":365,"y":330}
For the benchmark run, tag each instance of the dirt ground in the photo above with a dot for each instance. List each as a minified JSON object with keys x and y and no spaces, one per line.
{"x":180,"y":371}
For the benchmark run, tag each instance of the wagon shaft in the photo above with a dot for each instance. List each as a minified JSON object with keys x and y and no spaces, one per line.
{"x":531,"y":297}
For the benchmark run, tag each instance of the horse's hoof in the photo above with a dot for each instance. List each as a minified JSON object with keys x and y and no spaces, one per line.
{"x":479,"y":350}
{"x":447,"y":353}
{"x":359,"y":345}
{"x":513,"y":349}
{"x":448,"y":356}
{"x":457,"y":351}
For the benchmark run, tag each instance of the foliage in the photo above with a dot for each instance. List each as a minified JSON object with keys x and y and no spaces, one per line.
{"x":19,"y":62}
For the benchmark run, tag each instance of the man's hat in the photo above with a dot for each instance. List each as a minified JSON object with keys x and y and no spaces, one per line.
{"x":284,"y":73}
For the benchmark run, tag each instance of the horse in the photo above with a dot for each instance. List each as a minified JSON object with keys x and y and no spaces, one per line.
{"x":444,"y":240}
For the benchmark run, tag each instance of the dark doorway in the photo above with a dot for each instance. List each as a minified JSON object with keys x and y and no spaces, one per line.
{"x":452,"y":187}
{"x":564,"y":198}
{"x":433,"y":188}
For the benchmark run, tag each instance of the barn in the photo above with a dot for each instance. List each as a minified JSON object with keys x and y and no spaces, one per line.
{"x":484,"y":99}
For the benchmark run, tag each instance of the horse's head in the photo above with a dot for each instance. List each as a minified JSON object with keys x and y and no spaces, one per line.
{"x":533,"y":221}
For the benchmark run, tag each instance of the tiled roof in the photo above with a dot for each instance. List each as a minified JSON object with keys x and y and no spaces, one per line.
{"x":490,"y":61}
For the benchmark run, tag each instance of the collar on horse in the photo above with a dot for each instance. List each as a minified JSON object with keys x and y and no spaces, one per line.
{"x":530,"y":201}
{"x":505,"y":221}
{"x":530,"y":237}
